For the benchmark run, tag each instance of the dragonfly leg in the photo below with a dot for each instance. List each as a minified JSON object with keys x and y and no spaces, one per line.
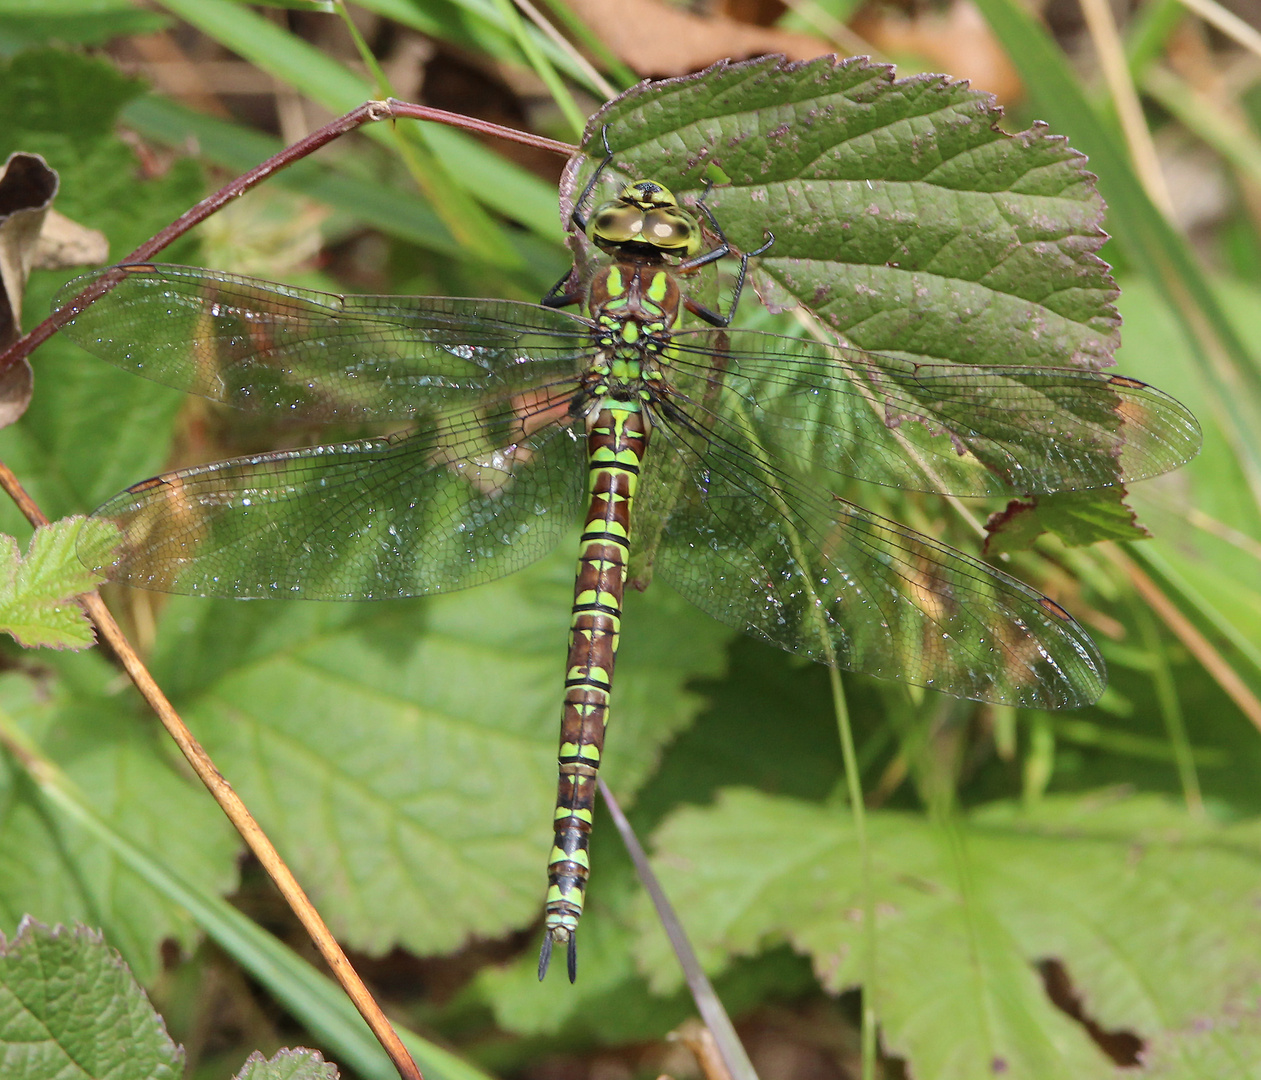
{"x":715,"y":318}
{"x":568,"y":290}
{"x":563,"y":293}
{"x":576,"y":215}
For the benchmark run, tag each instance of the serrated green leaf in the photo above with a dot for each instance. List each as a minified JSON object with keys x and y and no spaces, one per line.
{"x":1143,"y":906}
{"x":37,"y":592}
{"x":902,"y":215}
{"x":70,"y":1009}
{"x":1076,"y":517}
{"x":288,"y":1065}
{"x":1228,"y":373}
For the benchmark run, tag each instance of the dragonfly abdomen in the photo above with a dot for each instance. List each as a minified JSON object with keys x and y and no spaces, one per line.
{"x":615,"y":447}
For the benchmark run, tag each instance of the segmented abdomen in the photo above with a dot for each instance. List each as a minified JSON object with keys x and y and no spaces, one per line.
{"x":615,"y":448}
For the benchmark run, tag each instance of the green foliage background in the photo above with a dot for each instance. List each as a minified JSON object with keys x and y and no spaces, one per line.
{"x":402,"y":755}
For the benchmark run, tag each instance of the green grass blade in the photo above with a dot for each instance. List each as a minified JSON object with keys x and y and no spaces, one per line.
{"x":1229,"y":137}
{"x":402,"y":214}
{"x":593,"y":43}
{"x":314,"y":999}
{"x":543,"y":68}
{"x":327,"y":82}
{"x":480,"y":24}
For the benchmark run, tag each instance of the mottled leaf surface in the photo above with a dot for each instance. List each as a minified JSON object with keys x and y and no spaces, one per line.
{"x":903,"y":216}
{"x":402,"y":755}
{"x":1075,"y":517}
{"x":288,"y":1065}
{"x":37,"y":590}
{"x":70,"y":1010}
{"x":1144,"y":908}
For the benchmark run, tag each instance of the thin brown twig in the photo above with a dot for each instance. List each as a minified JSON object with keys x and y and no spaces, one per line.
{"x":231,"y":804}
{"x":216,"y":784}
{"x":368,"y":113}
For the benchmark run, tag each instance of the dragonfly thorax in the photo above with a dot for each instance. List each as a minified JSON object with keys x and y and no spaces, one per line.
{"x":634,"y":300}
{"x":633,"y":307}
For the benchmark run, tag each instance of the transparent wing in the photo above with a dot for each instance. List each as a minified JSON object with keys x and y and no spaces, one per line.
{"x":950,"y":428}
{"x":817,"y":575}
{"x":472,"y":497}
{"x":266,"y":347}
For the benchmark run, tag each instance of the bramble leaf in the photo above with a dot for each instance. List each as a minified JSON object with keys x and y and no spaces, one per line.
{"x":37,"y":591}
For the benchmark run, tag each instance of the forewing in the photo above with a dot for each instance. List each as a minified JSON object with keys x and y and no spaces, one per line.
{"x":949,"y":428}
{"x":759,"y":551}
{"x":473,"y":497}
{"x":277,"y":349}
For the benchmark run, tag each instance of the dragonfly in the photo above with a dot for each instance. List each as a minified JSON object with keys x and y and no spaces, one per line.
{"x":515,"y":421}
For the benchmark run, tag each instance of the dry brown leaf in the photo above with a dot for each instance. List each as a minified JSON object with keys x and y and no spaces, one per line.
{"x":655,"y":39}
{"x":64,"y":243}
{"x":27,"y":188}
{"x":958,"y":42}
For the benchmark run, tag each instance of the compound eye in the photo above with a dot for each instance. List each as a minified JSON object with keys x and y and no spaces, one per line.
{"x":616,"y":223}
{"x":672,"y":230}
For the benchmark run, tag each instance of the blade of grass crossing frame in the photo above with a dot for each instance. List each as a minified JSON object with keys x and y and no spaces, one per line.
{"x":708,"y":1004}
{"x":1200,"y":605}
{"x":481,"y":21}
{"x":543,"y":68}
{"x":431,"y":176}
{"x":324,"y":7}
{"x":1231,"y":379}
{"x":594,"y":44}
{"x":394,"y":212}
{"x":323,"y":80}
{"x":311,"y":997}
{"x":1147,"y":33}
{"x":1230,"y":138}
{"x":1170,"y":705}
{"x":401,"y":214}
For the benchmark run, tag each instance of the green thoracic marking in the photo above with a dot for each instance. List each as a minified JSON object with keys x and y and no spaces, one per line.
{"x":519,"y":416}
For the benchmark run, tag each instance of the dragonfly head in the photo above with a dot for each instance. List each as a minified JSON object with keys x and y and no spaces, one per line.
{"x":645,"y":219}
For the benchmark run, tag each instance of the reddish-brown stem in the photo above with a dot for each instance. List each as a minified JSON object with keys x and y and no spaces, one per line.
{"x":224,"y":795}
{"x":368,"y":113}
{"x":231,"y":804}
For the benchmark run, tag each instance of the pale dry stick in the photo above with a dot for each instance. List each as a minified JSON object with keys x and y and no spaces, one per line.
{"x":1196,"y":643}
{"x":1227,"y":22}
{"x":598,"y":81}
{"x":704,"y":1047}
{"x":1116,"y":73}
{"x":827,"y":24}
{"x":230,"y":803}
{"x":727,"y":1043}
